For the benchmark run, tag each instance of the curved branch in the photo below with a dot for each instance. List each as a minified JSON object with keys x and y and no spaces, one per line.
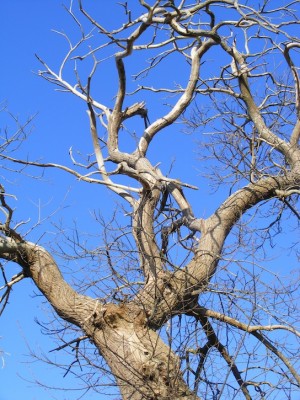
{"x":215,"y":342}
{"x":116,"y":117}
{"x":144,"y":235}
{"x":187,"y":283}
{"x":241,"y":70}
{"x":196,"y":53}
{"x":296,"y":132}
{"x":52,"y":77}
{"x":100,"y":161}
{"x":80,"y":177}
{"x":217,"y":227}
{"x":200,"y":312}
{"x":38,"y":264}
{"x":242,"y":200}
{"x":240,"y":325}
{"x":8,"y":287}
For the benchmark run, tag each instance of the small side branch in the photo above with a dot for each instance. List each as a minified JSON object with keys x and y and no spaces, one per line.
{"x":100,"y":161}
{"x":75,"y":348}
{"x":80,"y":177}
{"x":213,"y":341}
{"x":196,"y":53}
{"x":8,"y":287}
{"x":58,"y":80}
{"x":77,"y":341}
{"x":201,"y":312}
{"x":296,"y":132}
{"x":240,"y":69}
{"x":240,"y":325}
{"x":8,"y":212}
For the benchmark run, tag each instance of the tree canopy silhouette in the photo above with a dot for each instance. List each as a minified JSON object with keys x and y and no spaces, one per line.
{"x":178,"y":304}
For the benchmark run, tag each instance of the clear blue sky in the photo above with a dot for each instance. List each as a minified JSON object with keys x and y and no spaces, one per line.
{"x":25,"y":29}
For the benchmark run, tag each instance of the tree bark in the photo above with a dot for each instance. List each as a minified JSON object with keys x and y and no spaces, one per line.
{"x":143,"y":365}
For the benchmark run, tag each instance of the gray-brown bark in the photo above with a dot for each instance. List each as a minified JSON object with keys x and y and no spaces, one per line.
{"x":145,"y":368}
{"x":127,"y":334}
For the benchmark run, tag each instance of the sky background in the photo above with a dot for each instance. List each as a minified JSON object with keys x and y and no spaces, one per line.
{"x":61,"y":122}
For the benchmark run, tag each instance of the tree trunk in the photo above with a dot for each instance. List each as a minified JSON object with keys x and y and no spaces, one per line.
{"x":144,"y":366}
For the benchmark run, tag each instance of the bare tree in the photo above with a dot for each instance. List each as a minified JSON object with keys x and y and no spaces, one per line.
{"x":189,"y":309}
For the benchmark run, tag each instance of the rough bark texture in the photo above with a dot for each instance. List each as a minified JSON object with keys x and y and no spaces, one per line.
{"x":145,"y":368}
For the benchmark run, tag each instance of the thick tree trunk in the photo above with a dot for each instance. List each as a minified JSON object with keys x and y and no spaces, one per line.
{"x":144,"y":366}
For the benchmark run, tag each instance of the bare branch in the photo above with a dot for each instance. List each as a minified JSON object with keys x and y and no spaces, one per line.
{"x":84,"y":178}
{"x":201,"y":311}
{"x":196,"y":53}
{"x":116,"y":188}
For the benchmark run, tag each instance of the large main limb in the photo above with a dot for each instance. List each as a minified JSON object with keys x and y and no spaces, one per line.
{"x":143,"y":365}
{"x":177,"y":292}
